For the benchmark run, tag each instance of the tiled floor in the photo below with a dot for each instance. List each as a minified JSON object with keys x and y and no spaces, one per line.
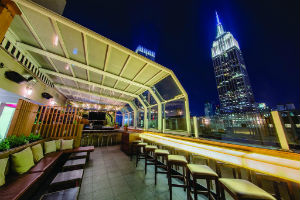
{"x":110,"y":175}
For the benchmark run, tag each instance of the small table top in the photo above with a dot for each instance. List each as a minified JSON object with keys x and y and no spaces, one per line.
{"x":79,"y":155}
{"x":68,"y":176}
{"x":75,"y":163}
{"x":68,"y":194}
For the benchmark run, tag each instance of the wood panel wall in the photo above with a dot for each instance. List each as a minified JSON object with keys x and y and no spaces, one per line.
{"x":23,"y":119}
{"x":58,"y":122}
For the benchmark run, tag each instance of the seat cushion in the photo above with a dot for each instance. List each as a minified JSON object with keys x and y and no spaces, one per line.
{"x":177,"y":158}
{"x":37,"y":151}
{"x":161,"y":152}
{"x":3,"y":164}
{"x":150,"y":147}
{"x":201,"y":170}
{"x":16,"y":186}
{"x":46,"y":162}
{"x":22,"y":161}
{"x":142,"y":144}
{"x":136,"y":141}
{"x":244,"y":189}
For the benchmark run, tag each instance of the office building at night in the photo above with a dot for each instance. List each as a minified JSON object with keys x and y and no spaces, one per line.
{"x":145,"y":52}
{"x":208,"y":109}
{"x":233,"y":85}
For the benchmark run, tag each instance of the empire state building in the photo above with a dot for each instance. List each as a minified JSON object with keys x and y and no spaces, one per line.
{"x":233,"y":85}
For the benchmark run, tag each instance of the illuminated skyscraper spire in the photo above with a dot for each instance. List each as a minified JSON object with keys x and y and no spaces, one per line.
{"x":220,"y":29}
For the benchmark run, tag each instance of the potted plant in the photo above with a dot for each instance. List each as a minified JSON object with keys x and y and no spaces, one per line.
{"x":116,"y":125}
{"x":125,"y":127}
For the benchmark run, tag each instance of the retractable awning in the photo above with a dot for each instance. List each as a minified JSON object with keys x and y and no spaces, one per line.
{"x":84,"y":65}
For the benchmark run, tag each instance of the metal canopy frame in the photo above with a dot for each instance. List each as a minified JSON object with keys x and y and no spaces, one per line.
{"x":118,"y":62}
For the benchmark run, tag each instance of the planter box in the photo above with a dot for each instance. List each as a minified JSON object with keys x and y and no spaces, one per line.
{"x":5,"y":154}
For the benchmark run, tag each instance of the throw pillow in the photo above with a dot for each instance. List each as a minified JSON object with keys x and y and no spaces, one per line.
{"x":22,"y":161}
{"x":49,"y":146}
{"x":37,"y":152}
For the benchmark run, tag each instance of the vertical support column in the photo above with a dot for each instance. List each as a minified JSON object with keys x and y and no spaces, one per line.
{"x":187,"y":116}
{"x":164,"y":125}
{"x":145,"y":118}
{"x":123,"y":119}
{"x":134,"y":114}
{"x":8,"y":9}
{"x":196,"y":127}
{"x":159,"y":113}
{"x":280,"y":130}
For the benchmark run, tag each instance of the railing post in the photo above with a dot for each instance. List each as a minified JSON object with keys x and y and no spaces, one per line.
{"x":196,"y":127}
{"x":280,"y":130}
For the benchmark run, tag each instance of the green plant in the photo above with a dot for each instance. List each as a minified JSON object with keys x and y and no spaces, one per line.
{"x":4,"y":145}
{"x":32,"y":137}
{"x":125,"y":125}
{"x":15,"y":141}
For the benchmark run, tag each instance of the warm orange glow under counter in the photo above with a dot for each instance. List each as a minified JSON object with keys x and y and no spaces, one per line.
{"x":277,"y":166}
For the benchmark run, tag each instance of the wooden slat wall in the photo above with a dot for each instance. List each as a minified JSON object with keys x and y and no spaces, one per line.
{"x":23,"y":118}
{"x":59,"y":122}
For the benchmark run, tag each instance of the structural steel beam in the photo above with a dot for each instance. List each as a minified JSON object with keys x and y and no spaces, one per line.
{"x":78,"y":64}
{"x":87,"y":82}
{"x":135,"y":112}
{"x":90,"y":93}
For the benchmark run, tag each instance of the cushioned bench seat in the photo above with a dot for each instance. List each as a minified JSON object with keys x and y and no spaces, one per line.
{"x":16,"y":186}
{"x":46,"y":162}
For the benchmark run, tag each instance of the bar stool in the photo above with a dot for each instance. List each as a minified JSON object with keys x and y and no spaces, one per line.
{"x":195,"y":158}
{"x":181,"y":161}
{"x":236,"y":171}
{"x":141,"y":154}
{"x":133,"y":147}
{"x":201,"y":172}
{"x":149,"y":159}
{"x":276,"y":182}
{"x":243,"y":189}
{"x":160,"y":153}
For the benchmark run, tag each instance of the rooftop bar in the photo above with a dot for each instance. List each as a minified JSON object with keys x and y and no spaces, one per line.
{"x":283,"y":165}
{"x":83,"y":117}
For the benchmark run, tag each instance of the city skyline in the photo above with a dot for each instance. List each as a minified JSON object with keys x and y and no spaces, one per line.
{"x":262,"y":37}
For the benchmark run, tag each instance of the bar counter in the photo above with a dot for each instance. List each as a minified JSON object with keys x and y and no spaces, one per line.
{"x":280,"y":164}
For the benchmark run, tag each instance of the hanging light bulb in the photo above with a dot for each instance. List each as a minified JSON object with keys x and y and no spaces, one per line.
{"x":52,"y":102}
{"x":28,"y":91}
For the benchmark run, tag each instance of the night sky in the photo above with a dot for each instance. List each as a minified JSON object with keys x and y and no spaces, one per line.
{"x":181,"y":33}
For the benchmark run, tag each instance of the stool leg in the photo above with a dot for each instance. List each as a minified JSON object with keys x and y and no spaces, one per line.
{"x":188,"y":177}
{"x":184,"y":177}
{"x":146,"y":159}
{"x":137,"y":156}
{"x":208,"y":188}
{"x":276,"y":190}
{"x":155,"y":169}
{"x":195,"y":188}
{"x":217,"y":188}
{"x":170,"y":180}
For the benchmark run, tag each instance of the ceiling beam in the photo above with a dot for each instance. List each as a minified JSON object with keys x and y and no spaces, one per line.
{"x":36,"y":37}
{"x":90,"y":93}
{"x":89,"y":32}
{"x":87,"y":82}
{"x":62,"y":44}
{"x":78,"y":64}
{"x":122,"y":70}
{"x":86,"y":56}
